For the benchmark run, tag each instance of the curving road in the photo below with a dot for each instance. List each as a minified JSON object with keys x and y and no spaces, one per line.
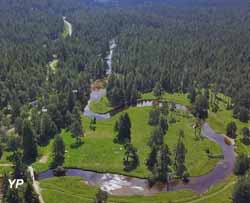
{"x":68,"y":24}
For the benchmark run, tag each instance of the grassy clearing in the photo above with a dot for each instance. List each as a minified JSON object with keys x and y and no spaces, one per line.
{"x":5,"y":169}
{"x":196,"y":159}
{"x":67,"y":189}
{"x":54,"y":65}
{"x":100,"y":153}
{"x":99,"y":84}
{"x":4,"y":158}
{"x":178,"y":98}
{"x":220,"y":193}
{"x":101,"y":106}
{"x":44,"y":157}
{"x":5,"y":164}
{"x":219,"y":120}
{"x":66,"y":31}
{"x":74,"y":190}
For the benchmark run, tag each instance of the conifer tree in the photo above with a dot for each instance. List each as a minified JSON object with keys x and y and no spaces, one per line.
{"x":131,"y":159}
{"x":123,"y":129}
{"x":29,"y":195}
{"x":29,"y":142}
{"x":58,"y":152}
{"x":180,"y":155}
{"x":76,"y":125}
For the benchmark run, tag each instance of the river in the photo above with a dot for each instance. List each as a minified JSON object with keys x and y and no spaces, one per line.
{"x":116,"y":184}
{"x":96,"y":95}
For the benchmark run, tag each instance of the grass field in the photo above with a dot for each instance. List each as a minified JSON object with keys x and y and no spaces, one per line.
{"x":5,"y":164}
{"x":100,"y":153}
{"x":44,"y":157}
{"x":5,"y":169}
{"x":219,"y":120}
{"x":65,"y":33}
{"x":178,"y":98}
{"x":102,"y":106}
{"x":74,"y":190}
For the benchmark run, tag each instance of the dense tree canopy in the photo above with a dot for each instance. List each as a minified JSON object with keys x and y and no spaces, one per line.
{"x":161,"y":48}
{"x":241,"y":192}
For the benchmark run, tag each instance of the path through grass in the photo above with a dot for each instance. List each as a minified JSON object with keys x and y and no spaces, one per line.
{"x":74,"y":190}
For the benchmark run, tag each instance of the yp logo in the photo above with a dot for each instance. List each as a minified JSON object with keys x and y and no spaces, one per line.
{"x":16,"y":182}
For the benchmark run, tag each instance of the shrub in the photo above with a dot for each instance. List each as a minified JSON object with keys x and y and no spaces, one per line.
{"x":59,"y":171}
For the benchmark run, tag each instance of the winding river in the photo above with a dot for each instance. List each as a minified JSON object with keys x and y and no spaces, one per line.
{"x":116,"y":184}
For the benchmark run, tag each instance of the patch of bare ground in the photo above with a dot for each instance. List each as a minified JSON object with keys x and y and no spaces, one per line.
{"x":44,"y":159}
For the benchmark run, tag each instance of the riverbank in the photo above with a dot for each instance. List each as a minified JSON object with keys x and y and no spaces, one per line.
{"x":108,"y":156}
{"x":61,"y":190}
{"x":100,"y":153}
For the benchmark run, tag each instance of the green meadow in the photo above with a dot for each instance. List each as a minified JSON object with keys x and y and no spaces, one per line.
{"x":74,"y":189}
{"x":219,"y":120}
{"x":102,"y":106}
{"x":178,"y":98}
{"x":5,"y":164}
{"x":66,"y":30}
{"x":100,"y":153}
{"x":54,"y":65}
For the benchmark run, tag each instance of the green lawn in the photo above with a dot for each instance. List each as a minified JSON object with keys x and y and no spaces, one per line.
{"x":74,"y":190}
{"x":102,"y":106}
{"x":67,"y":189}
{"x":100,"y":153}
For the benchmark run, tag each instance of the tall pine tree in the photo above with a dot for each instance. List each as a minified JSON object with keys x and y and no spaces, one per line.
{"x":29,"y":142}
{"x":180,"y":155}
{"x":76,"y":125}
{"x":58,"y":152}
